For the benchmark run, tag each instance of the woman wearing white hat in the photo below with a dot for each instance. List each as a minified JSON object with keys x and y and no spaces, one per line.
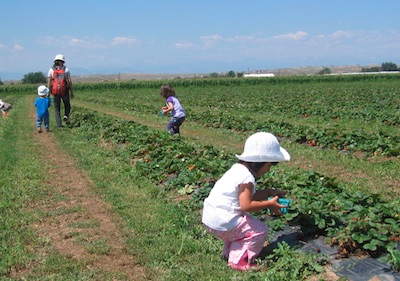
{"x":226,"y":209}
{"x":60,"y":85}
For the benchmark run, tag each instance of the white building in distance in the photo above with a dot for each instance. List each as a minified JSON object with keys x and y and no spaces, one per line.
{"x":258,"y":75}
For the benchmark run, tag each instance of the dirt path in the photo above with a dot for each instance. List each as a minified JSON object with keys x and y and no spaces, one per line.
{"x":79,"y":224}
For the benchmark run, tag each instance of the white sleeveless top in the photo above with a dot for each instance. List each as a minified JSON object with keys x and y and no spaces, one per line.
{"x":221,"y":208}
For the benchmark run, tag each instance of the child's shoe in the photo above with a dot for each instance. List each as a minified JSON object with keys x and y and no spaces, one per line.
{"x":39,"y":130}
{"x":66,"y":119}
{"x":47,"y":130}
{"x":243,"y":265}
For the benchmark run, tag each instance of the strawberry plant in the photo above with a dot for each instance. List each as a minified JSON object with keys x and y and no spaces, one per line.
{"x":289,"y":265}
{"x":378,"y":143}
{"x":352,"y":220}
{"x":393,"y":257}
{"x":361,"y":220}
{"x":327,"y":106}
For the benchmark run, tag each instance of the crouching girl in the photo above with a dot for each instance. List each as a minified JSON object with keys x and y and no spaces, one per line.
{"x":226,"y":209}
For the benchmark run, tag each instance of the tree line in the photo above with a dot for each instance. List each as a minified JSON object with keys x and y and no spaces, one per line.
{"x":386,"y":66}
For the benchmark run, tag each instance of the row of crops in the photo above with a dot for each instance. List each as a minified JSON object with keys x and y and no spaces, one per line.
{"x":353,"y":116}
{"x":352,"y":220}
{"x":200,"y":82}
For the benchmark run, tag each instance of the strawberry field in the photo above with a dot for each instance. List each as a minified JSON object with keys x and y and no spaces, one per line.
{"x":360,"y":117}
{"x":337,"y":125}
{"x":356,"y":116}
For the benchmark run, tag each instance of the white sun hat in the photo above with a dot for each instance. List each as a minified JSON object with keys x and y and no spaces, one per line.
{"x":59,"y":57}
{"x":42,"y":90}
{"x":263,"y":147}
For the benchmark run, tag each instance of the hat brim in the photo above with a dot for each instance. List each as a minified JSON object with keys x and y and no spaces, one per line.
{"x":282,"y":156}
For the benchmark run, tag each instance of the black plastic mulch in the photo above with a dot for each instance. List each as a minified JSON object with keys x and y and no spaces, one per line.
{"x":353,"y":268}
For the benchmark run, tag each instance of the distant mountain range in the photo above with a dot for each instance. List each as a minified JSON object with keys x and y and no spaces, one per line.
{"x":148,"y":76}
{"x":82,"y":74}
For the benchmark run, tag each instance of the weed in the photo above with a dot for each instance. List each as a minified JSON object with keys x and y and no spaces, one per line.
{"x":286,"y":264}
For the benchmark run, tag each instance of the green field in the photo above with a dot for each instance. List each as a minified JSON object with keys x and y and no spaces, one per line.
{"x":342,"y":133}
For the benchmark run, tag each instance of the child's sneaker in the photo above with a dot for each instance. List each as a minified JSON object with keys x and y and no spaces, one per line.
{"x":66,"y":119}
{"x":47,"y":130}
{"x":39,"y":130}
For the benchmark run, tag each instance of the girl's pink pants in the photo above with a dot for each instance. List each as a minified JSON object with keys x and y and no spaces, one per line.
{"x":245,"y":241}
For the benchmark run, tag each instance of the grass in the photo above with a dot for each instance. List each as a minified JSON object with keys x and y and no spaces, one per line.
{"x":166,"y":239}
{"x":99,"y":247}
{"x":20,"y":184}
{"x":155,"y":229}
{"x":23,"y":187}
{"x":64,"y":210}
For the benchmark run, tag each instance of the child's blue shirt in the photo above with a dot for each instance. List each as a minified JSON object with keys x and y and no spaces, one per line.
{"x":42,"y":106}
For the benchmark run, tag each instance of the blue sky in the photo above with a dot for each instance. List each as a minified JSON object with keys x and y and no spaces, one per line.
{"x":175,"y":36}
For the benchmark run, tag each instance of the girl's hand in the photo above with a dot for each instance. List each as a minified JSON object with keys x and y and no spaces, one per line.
{"x":275,"y":207}
{"x":164,"y":110}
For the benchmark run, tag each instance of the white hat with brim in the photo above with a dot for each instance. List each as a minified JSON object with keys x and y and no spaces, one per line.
{"x":60,"y":57}
{"x":43,"y":90}
{"x":263,"y":147}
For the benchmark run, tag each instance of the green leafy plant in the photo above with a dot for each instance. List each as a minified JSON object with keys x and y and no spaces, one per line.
{"x":289,"y":264}
{"x":393,"y":256}
{"x":352,"y":220}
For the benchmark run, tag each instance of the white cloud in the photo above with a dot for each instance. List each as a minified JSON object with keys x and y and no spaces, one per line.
{"x":125,"y":40}
{"x":3,"y":46}
{"x":184,"y":45}
{"x":76,"y":41}
{"x":241,"y":39}
{"x":214,"y":37}
{"x":88,"y":43}
{"x":292,"y":36}
{"x":336,"y":35}
{"x":211,"y":40}
{"x":341,"y":34}
{"x":18,"y":47}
